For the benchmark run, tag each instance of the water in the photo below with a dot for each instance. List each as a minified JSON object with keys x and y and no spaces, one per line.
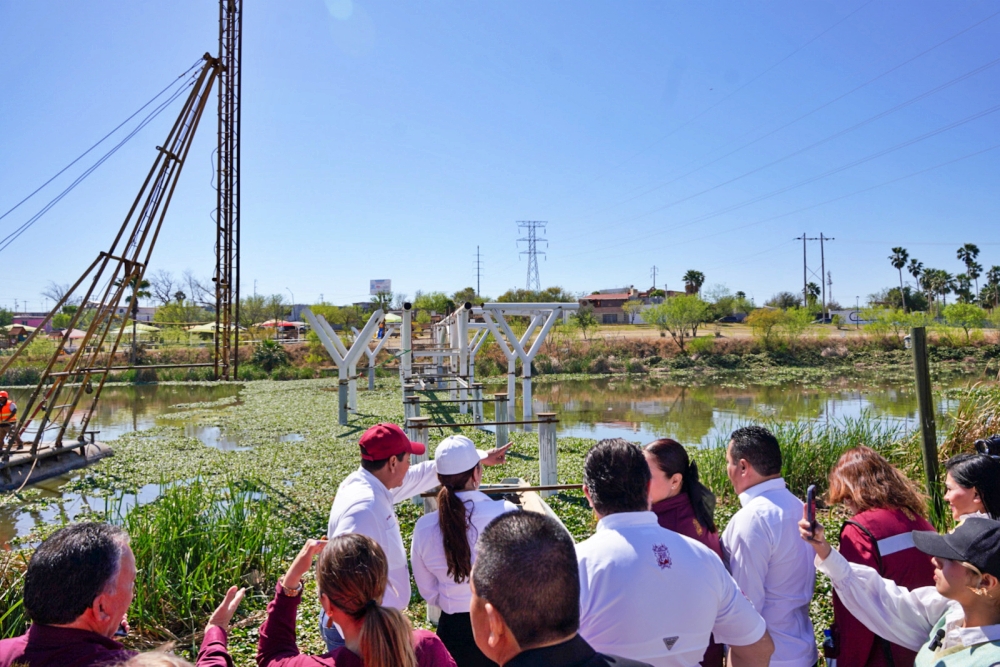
{"x":120,"y":410}
{"x":643,"y":410}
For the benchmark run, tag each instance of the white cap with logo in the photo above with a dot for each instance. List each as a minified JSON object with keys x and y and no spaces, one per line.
{"x":457,"y":454}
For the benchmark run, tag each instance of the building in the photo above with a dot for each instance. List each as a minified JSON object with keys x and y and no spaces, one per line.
{"x":607,"y":304}
{"x":33,"y":320}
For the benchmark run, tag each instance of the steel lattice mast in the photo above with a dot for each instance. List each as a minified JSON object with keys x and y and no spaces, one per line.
{"x":532,"y":226}
{"x":227,"y":243}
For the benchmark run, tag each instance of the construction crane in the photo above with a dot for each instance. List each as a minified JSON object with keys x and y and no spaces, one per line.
{"x":72,"y":373}
{"x":75,"y":372}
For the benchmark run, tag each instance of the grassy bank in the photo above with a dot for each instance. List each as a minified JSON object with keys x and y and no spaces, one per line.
{"x":235,"y":517}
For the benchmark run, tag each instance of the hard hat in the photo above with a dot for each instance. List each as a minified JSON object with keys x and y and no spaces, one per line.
{"x":3,"y":394}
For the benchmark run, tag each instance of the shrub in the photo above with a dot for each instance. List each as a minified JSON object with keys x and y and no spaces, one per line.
{"x":269,"y":355}
{"x":703,"y":345}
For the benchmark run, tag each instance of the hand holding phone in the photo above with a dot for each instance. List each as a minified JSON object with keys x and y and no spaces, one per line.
{"x":811,"y":506}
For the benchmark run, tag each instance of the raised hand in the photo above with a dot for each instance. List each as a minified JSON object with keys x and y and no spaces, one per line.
{"x":223,"y":614}
{"x":497,"y":455}
{"x":814,"y":535}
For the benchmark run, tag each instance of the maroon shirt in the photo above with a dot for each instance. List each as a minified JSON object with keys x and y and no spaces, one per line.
{"x":276,"y":646}
{"x":49,"y":646}
{"x":677,"y":514}
{"x":907,"y":567}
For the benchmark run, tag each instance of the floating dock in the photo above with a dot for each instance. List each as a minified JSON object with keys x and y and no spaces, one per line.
{"x":49,"y":461}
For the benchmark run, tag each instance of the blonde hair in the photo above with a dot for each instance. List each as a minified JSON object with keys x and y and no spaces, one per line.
{"x":161,"y":658}
{"x":352,"y":573}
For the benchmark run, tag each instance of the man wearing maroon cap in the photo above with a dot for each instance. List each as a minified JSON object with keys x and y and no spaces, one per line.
{"x":365,"y":500}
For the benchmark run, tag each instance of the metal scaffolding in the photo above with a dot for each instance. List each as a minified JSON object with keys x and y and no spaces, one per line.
{"x":227,"y":243}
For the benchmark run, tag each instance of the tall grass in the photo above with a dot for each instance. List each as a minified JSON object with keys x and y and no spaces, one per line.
{"x":12,"y":618}
{"x":809,"y":451}
{"x":196,"y":541}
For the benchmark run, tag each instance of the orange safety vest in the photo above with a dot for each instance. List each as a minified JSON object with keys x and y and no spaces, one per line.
{"x":7,"y":413}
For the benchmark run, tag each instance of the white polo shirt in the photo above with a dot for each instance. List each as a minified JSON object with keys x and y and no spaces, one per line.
{"x":430,"y":567}
{"x":652,"y":595}
{"x":773,"y":566}
{"x":363,"y":505}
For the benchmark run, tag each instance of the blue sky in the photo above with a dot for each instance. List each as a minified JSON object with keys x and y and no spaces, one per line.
{"x":389,"y":139}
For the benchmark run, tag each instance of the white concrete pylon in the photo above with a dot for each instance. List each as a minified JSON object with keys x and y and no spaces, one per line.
{"x":345,"y":359}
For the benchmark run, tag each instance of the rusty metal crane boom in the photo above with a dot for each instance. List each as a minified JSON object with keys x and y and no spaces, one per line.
{"x":70,"y":373}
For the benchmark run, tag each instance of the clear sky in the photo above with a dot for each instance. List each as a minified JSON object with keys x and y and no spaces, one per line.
{"x":389,"y":139}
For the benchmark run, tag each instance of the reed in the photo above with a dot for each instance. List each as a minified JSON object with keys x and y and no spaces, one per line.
{"x":13,"y":620}
{"x":193,"y":543}
{"x":810,"y":449}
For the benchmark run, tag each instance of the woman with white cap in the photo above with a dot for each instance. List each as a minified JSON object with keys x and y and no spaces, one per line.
{"x":444,"y":544}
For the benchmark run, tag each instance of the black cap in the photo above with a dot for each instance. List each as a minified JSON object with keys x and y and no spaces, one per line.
{"x":975,"y":541}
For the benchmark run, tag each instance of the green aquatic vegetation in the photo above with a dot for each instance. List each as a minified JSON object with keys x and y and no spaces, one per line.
{"x":195,"y":541}
{"x":13,"y":620}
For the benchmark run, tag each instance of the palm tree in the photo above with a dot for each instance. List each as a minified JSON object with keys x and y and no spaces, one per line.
{"x":975,"y":270}
{"x":693,"y":280}
{"x":967,"y":254}
{"x":962,"y":286}
{"x":813,"y":290}
{"x":898,"y":258}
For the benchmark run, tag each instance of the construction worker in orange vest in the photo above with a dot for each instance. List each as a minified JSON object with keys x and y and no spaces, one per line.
{"x":8,"y":419}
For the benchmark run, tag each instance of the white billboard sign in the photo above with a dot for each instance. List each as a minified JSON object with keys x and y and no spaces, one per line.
{"x":383,"y":286}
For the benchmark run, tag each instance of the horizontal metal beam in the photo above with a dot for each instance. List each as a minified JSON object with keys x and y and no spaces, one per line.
{"x":518,"y":489}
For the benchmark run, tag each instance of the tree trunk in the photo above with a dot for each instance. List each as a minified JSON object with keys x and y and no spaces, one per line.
{"x":902,"y":294}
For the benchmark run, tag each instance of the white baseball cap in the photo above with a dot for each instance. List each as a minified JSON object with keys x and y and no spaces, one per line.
{"x":456,"y":454}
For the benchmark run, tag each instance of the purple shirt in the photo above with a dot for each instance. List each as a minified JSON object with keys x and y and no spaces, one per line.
{"x":49,"y":646}
{"x":276,"y":646}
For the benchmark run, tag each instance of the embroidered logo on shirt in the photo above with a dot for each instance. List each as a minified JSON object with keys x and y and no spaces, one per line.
{"x":662,"y":556}
{"x":670,"y":641}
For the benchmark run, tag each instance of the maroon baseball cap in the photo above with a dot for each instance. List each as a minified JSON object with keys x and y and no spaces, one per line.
{"x":384,"y":440}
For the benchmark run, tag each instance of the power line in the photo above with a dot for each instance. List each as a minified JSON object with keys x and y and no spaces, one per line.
{"x":722,"y":100}
{"x":807,"y":181}
{"x":820,"y":108}
{"x":532,"y":227}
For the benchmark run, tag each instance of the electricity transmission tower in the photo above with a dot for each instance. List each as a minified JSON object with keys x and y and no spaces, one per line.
{"x":652,"y":272}
{"x":532,"y":227}
{"x":479,"y":270}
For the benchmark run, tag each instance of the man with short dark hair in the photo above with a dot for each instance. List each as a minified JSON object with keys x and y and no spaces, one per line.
{"x":77,"y":589}
{"x":649,"y":593}
{"x":762,"y":545}
{"x":365,"y":499}
{"x":525,"y":605}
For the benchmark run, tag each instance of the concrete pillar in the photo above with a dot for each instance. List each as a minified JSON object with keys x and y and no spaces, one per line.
{"x":352,"y":386}
{"x":342,"y":399}
{"x":526,"y":406}
{"x":500,"y":402}
{"x":406,"y":343}
{"x":547,"y":451}
{"x":418,"y":430}
{"x":477,"y":406}
{"x":371,"y":375}
{"x":511,"y":383}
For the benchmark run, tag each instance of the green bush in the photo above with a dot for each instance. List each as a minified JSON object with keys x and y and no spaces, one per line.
{"x":269,"y":355}
{"x":701,"y":346}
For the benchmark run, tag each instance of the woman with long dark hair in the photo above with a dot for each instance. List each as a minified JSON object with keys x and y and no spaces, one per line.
{"x":972,"y":486}
{"x":684,"y":505}
{"x":351,"y":574}
{"x":444,"y":544}
{"x":681,"y":502}
{"x":885,"y":507}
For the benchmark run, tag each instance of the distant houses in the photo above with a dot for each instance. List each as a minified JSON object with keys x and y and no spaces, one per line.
{"x":608,"y":303}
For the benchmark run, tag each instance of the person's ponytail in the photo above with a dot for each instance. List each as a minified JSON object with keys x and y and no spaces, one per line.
{"x":386,"y":638}
{"x":702,"y":500}
{"x":454,"y":520}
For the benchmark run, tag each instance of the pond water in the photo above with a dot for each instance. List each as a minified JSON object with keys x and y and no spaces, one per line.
{"x":633,"y":408}
{"x":120,"y":410}
{"x":644,"y":410}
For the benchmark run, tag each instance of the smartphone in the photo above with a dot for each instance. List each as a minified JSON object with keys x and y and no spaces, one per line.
{"x":121,"y":631}
{"x":811,"y":506}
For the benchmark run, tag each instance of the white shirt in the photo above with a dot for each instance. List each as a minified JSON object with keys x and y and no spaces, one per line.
{"x":774,"y":567}
{"x":652,"y":595}
{"x":900,"y":615}
{"x":430,"y":566}
{"x":363,"y":505}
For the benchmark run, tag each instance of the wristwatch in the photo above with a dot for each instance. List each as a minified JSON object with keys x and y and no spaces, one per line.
{"x":289,"y":592}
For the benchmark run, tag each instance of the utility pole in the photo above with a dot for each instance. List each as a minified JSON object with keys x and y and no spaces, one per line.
{"x":479,"y":270}
{"x":805,"y":268}
{"x":652,"y":272}
{"x":822,"y":271}
{"x":532,"y":227}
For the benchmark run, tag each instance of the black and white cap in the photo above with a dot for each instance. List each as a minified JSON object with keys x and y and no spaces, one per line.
{"x":975,"y":541}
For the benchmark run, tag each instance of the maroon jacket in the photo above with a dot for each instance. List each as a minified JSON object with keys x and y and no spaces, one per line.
{"x":900,"y":562}
{"x":677,"y":514}
{"x":276,"y":646}
{"x":49,"y":646}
